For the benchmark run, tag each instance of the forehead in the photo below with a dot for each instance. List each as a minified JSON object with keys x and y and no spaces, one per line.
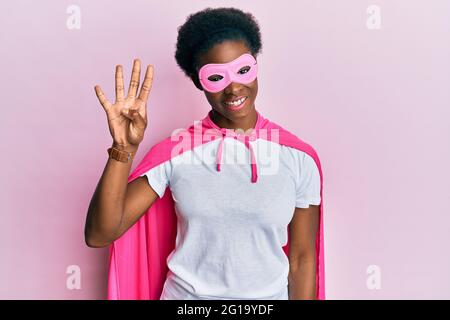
{"x":224,"y":52}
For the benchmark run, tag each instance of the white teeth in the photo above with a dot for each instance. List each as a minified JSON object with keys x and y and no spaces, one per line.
{"x":236,"y":103}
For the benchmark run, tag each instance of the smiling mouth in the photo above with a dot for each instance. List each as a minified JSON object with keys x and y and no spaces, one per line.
{"x":237,"y":103}
{"x":235,"y":107}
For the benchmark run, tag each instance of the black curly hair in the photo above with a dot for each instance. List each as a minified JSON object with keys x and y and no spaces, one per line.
{"x":204,"y":29}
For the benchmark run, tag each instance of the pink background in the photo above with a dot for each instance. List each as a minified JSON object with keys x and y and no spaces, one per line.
{"x":373,"y":103}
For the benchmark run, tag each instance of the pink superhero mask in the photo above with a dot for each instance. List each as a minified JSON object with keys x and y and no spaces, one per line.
{"x":215,"y":77}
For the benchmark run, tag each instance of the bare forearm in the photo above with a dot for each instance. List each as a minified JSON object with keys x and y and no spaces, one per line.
{"x":106,"y":206}
{"x":302,"y":280}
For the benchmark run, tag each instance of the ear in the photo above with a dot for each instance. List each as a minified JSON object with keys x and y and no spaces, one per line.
{"x":196,"y":82}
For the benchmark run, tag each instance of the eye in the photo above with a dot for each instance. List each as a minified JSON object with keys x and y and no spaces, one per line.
{"x":215,"y":78}
{"x":246,"y":69}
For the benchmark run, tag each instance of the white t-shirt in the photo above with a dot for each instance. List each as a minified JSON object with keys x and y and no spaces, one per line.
{"x":230,"y":231}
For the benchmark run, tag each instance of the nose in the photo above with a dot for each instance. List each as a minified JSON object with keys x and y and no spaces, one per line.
{"x":233,"y":88}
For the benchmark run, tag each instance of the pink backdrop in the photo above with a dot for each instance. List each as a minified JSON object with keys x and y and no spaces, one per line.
{"x":369,"y":89}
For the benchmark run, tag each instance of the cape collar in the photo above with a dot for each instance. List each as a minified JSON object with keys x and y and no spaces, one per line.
{"x":244,"y":138}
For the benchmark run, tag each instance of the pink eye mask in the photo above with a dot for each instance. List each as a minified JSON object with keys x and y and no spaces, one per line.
{"x":215,"y":77}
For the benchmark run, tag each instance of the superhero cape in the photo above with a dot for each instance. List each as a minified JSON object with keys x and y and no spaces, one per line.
{"x":138,"y":259}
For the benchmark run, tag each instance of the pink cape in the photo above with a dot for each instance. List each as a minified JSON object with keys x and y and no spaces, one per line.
{"x":137,"y":264}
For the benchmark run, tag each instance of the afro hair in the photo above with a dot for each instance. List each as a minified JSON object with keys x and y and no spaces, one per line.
{"x":204,"y":29}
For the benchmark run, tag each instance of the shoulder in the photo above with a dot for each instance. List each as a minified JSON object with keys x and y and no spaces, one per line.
{"x":292,"y":142}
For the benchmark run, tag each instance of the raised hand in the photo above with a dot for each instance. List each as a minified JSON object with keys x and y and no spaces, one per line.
{"x":127,"y":117}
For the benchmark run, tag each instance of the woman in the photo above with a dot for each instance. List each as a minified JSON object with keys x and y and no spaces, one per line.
{"x":240,"y":232}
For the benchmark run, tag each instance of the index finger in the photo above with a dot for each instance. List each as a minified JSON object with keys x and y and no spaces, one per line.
{"x":147,"y":85}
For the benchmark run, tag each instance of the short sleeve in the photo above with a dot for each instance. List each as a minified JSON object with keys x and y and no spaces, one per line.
{"x":308,"y":182}
{"x":159,"y":177}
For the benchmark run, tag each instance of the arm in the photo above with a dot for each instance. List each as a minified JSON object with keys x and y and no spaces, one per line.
{"x":116,"y":204}
{"x":302,"y":253}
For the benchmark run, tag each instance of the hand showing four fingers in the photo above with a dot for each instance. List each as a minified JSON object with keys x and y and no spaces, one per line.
{"x":127,"y":117}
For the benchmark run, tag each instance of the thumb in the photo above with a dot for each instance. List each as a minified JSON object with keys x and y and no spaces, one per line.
{"x":137,"y":119}
{"x":129,"y":113}
{"x":126,"y":113}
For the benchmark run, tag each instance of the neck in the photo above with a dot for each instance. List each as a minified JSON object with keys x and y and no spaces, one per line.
{"x":245,"y":123}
